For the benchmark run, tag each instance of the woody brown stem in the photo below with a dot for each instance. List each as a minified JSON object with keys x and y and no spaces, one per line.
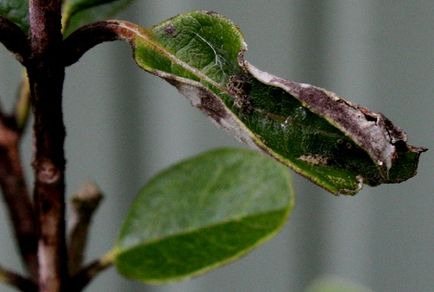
{"x":89,"y":272}
{"x":83,"y":205}
{"x":46,"y":75}
{"x":12,"y":180}
{"x":14,"y":39}
{"x":15,"y":194}
{"x":16,"y":280}
{"x":88,"y":36}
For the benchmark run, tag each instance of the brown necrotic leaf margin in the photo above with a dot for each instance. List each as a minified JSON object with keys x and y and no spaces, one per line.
{"x":372,"y":132}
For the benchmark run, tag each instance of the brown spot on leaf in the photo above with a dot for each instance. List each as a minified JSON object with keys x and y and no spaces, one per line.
{"x":170,"y":30}
{"x":239,"y":87}
{"x":366,"y":128}
{"x":241,"y":60}
{"x":201,"y":98}
{"x":212,"y":106}
{"x":127,"y":30}
{"x":315,"y":159}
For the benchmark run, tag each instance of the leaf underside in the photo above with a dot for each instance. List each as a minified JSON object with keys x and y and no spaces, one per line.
{"x":202,"y":213}
{"x":334,"y":143}
{"x":16,"y":11}
{"x":75,"y":12}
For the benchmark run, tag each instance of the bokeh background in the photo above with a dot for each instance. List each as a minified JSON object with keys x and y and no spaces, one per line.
{"x":125,"y":125}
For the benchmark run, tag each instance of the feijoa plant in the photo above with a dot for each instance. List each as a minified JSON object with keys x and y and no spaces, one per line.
{"x":200,"y":213}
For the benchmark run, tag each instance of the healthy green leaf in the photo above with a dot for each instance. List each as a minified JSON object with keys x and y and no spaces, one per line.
{"x":80,"y":12}
{"x":203,"y":213}
{"x":16,"y":11}
{"x":334,"y":143}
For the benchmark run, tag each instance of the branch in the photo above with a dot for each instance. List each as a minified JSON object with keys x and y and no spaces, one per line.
{"x":46,"y":75}
{"x":88,"y":36}
{"x":84,"y":276}
{"x":84,"y":204}
{"x":17,"y":281}
{"x":14,"y":39}
{"x":12,"y":182}
{"x":15,"y":194}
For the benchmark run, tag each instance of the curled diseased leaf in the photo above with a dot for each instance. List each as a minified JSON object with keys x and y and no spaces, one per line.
{"x":336,"y":144}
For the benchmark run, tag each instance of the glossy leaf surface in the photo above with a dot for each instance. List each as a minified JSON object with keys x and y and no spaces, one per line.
{"x":16,"y":11}
{"x":202,"y":213}
{"x":80,"y":12}
{"x":75,"y":12}
{"x":336,"y":144}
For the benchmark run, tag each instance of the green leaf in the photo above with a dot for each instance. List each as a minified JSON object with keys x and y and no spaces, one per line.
{"x":203,"y":213}
{"x":80,"y":12}
{"x":336,"y":144}
{"x":16,"y":11}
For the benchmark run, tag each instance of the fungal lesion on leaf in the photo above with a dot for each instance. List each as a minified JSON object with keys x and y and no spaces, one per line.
{"x":239,"y":86}
{"x":344,"y":145}
{"x":335,"y":143}
{"x":315,"y":159}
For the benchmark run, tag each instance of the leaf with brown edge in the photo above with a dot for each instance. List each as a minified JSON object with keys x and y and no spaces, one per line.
{"x":334,"y":143}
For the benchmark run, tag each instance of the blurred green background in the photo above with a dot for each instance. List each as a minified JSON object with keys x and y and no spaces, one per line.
{"x":124,"y":125}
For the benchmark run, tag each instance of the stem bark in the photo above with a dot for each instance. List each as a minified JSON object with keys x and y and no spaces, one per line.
{"x":16,"y":196}
{"x":46,"y":75}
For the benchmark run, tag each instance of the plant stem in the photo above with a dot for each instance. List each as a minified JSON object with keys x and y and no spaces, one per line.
{"x":12,"y":180}
{"x":15,"y":195}
{"x":17,"y":281}
{"x":88,"y":36}
{"x":13,"y":38}
{"x":82,"y":278}
{"x":83,"y":205}
{"x":46,"y":75}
